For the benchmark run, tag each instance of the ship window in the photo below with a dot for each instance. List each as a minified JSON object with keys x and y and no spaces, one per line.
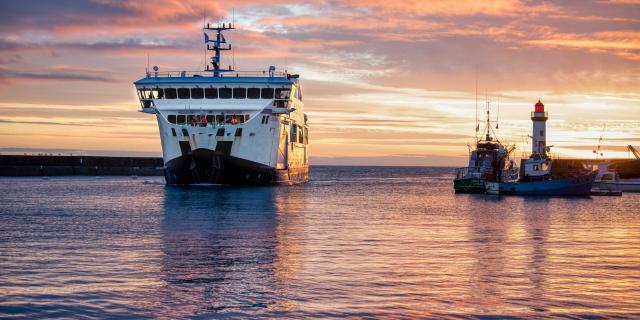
{"x":300,"y":135}
{"x":197,"y":93}
{"x":294,"y":133}
{"x":185,"y":133}
{"x":544,"y":166}
{"x":171,"y":118}
{"x":183,"y":93}
{"x":234,"y":119}
{"x":170,"y":93}
{"x":220,"y":118}
{"x":159,"y":93}
{"x":239,"y":93}
{"x":542,"y":133}
{"x":220,"y":132}
{"x":253,"y":93}
{"x":211,"y":93}
{"x":535,"y":167}
{"x":180,"y":119}
{"x":210,"y":118}
{"x":155,"y":93}
{"x":239,"y":132}
{"x":145,"y":93}
{"x":173,"y":132}
{"x":225,"y":93}
{"x":282,"y":93}
{"x":267,"y":93}
{"x":246,"y":117}
{"x":306,"y":136}
{"x":191,"y":119}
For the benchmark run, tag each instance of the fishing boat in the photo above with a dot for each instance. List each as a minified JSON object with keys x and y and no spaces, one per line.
{"x":222,"y":126}
{"x":489,"y":161}
{"x":536,"y":173}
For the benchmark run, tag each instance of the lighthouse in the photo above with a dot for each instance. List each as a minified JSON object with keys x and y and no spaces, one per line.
{"x":539,"y":118}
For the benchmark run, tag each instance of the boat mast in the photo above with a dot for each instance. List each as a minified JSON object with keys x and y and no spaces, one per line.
{"x":217,"y":48}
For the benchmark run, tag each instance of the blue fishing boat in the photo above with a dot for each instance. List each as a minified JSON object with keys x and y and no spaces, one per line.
{"x":537,"y":176}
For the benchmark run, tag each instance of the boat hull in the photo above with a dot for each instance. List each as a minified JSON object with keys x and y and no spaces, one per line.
{"x":577,"y":186}
{"x":624,"y":185}
{"x":204,"y":166}
{"x":469,"y":185}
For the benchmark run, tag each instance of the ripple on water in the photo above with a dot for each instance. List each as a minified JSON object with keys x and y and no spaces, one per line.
{"x":354,"y":242}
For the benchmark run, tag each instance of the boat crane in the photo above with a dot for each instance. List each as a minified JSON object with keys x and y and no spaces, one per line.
{"x":635,"y":151}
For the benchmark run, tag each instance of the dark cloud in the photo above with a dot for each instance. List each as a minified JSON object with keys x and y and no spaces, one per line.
{"x":53,"y":75}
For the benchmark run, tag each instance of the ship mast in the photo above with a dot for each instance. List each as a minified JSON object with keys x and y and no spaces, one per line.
{"x":217,"y":47}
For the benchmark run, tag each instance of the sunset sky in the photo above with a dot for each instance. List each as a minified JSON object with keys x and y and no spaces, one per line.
{"x":384,"y":82}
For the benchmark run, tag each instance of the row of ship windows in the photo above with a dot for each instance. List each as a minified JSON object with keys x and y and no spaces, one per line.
{"x":203,"y":120}
{"x":217,"y":93}
{"x":297,"y":134}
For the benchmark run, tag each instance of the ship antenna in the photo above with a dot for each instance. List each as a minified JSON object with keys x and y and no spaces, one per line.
{"x":217,"y":48}
{"x":498,"y":114}
{"x":477,"y":123}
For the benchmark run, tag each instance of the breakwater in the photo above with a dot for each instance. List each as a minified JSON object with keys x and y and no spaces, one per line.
{"x":26,"y":165}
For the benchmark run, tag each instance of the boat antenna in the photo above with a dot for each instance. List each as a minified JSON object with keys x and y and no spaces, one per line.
{"x":498,"y":114}
{"x":477,"y":123}
{"x":217,"y":47}
{"x":204,"y":24}
{"x":233,"y":53}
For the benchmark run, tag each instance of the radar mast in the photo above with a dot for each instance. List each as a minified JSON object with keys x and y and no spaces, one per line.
{"x":218,"y":45}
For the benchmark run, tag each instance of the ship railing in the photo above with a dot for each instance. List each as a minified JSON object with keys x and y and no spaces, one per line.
{"x":468,"y":172}
{"x":222,"y":73}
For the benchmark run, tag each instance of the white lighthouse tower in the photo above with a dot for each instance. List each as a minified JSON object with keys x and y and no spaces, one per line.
{"x":539,"y":118}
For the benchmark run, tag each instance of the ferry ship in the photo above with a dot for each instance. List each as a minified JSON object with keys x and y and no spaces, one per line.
{"x":222,"y":126}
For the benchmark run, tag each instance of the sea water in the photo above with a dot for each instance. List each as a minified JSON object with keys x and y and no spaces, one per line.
{"x":354,"y":242}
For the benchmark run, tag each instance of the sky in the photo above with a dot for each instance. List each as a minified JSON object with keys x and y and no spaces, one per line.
{"x":384,"y":82}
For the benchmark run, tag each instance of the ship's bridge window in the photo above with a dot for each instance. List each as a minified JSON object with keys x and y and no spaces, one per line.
{"x":170,"y":93}
{"x":283,"y":93}
{"x":253,"y":93}
{"x":267,"y":93}
{"x":183,"y":93}
{"x":239,"y":93}
{"x":210,"y":118}
{"x":145,"y":93}
{"x":219,"y":119}
{"x":211,"y":93}
{"x":158,"y":93}
{"x":171,"y":118}
{"x":197,"y":93}
{"x":181,"y":119}
{"x":225,"y":93}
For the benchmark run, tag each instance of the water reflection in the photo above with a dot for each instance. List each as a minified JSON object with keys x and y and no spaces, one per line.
{"x":219,"y":248}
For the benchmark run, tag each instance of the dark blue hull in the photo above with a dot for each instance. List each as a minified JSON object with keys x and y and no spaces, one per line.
{"x":577,"y":186}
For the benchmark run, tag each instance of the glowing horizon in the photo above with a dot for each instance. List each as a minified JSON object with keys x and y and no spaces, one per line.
{"x":385,"y":83}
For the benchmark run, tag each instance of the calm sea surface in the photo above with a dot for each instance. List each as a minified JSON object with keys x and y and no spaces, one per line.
{"x":354,"y":242}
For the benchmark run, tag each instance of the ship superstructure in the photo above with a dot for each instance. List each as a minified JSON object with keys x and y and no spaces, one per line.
{"x":223,"y":126}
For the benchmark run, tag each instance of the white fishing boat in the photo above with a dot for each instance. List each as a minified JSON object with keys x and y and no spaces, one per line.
{"x":607,"y":182}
